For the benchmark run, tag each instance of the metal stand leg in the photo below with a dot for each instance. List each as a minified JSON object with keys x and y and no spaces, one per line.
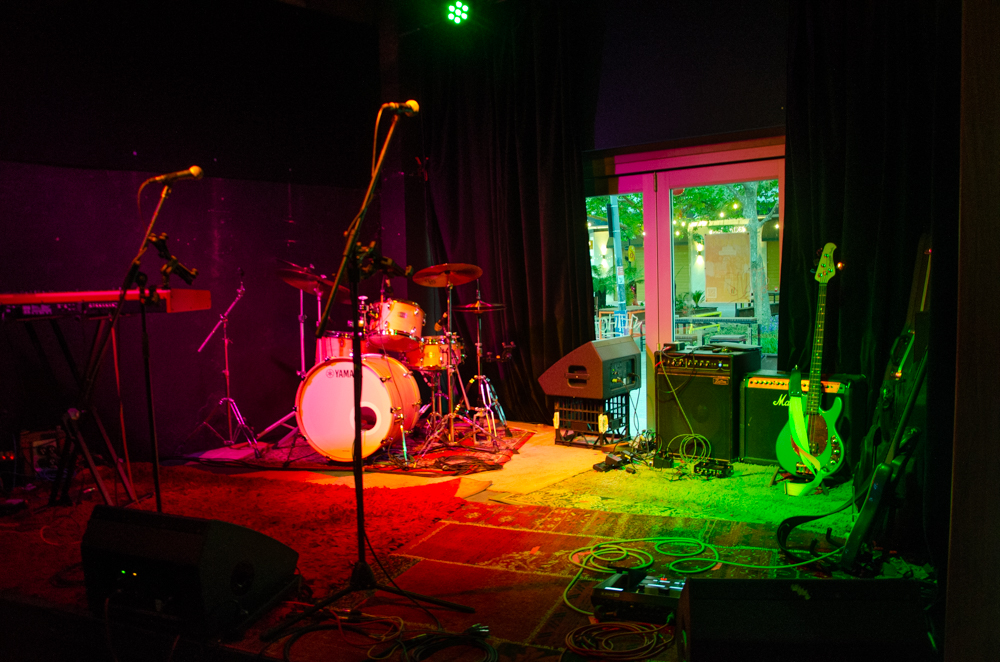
{"x":231,"y":409}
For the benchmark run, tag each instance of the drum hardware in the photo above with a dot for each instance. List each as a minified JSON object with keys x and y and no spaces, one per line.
{"x":232,"y":410}
{"x":449,"y":275}
{"x":308,"y":281}
{"x":489,"y":409}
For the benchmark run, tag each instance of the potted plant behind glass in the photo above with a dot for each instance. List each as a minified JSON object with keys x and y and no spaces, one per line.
{"x":603,"y":282}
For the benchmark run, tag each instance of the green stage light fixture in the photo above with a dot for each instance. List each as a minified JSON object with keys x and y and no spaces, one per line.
{"x":458,"y":12}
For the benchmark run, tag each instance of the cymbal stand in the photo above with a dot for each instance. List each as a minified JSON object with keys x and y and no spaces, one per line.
{"x":283,"y":422}
{"x":232,"y":410}
{"x":437,"y":427}
{"x":489,"y":409}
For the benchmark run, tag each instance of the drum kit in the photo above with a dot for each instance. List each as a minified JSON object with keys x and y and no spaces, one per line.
{"x":394,"y":351}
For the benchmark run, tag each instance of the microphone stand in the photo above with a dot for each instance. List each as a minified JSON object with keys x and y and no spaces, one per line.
{"x":362,"y":576}
{"x":75,"y":438}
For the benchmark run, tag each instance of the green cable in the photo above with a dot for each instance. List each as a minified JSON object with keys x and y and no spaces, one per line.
{"x":612,"y":551}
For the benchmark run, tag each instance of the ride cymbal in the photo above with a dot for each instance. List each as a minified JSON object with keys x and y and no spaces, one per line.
{"x":480,"y":308}
{"x":313,"y":283}
{"x":443,"y":275}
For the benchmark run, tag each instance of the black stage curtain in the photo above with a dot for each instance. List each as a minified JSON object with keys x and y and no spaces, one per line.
{"x":872,"y":164}
{"x":506,"y":106}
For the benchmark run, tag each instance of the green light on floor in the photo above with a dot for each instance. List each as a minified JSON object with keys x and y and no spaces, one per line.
{"x":458,"y":12}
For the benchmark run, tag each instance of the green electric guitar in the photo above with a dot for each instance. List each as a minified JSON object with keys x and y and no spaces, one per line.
{"x":809,"y":447}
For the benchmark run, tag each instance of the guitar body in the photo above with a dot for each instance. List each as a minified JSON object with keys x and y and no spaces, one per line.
{"x":822,"y":443}
{"x":808,"y":446}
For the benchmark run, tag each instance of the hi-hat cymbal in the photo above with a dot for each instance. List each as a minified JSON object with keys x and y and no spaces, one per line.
{"x":480,"y":308}
{"x":313,"y":283}
{"x":443,"y":275}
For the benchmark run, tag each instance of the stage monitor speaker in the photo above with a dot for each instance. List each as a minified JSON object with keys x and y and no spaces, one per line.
{"x":183,"y":574}
{"x":709,"y":404}
{"x":764,"y":412}
{"x":597,"y":370}
{"x":815,"y":620}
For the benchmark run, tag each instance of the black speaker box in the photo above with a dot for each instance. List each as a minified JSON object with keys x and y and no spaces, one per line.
{"x":184,"y":574}
{"x":597,"y":370}
{"x":807,"y":620}
{"x":709,"y":403}
{"x":764,"y":412}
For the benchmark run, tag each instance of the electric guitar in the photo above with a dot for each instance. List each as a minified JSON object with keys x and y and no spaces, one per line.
{"x":808,"y":445}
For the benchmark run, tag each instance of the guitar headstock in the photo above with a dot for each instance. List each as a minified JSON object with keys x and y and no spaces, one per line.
{"x":826,"y":267}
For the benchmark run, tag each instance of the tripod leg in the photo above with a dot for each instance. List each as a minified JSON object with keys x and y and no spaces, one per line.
{"x":362,"y":579}
{"x":242,"y":427}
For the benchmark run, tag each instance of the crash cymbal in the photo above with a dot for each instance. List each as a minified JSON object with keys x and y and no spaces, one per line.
{"x":443,"y":275}
{"x":313,"y":283}
{"x":480,"y":308}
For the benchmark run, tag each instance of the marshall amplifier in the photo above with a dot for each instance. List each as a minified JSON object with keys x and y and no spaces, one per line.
{"x":698,"y":392}
{"x":764,"y":412}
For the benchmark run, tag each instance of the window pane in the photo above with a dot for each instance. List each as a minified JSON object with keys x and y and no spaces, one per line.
{"x":726,"y":258}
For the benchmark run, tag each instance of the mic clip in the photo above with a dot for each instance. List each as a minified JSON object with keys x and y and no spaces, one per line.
{"x":173,"y":265}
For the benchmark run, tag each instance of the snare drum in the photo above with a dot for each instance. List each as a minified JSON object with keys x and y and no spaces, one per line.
{"x":397,"y":325}
{"x":433,"y":353}
{"x":324,"y":405}
{"x":337,"y":345}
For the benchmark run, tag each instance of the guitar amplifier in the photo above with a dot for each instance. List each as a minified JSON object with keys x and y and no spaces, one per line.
{"x":701,"y":388}
{"x":764,"y":412}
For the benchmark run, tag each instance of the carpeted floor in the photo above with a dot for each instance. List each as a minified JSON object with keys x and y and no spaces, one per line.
{"x":511,"y":563}
{"x":746,"y":496}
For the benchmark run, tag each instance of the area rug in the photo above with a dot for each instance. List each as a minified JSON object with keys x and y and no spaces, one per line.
{"x":511,"y":563}
{"x":748,"y":495}
{"x":319,"y":521}
{"x":415,"y":454}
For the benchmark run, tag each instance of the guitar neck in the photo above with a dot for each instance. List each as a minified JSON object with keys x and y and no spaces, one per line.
{"x":816,"y":365}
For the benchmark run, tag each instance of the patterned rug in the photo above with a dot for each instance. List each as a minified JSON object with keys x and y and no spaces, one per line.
{"x":415,"y":454}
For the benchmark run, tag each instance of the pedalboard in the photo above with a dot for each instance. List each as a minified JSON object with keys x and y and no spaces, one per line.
{"x":632,"y":595}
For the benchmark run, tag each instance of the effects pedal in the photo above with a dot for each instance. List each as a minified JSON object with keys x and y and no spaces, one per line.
{"x":713,"y":469}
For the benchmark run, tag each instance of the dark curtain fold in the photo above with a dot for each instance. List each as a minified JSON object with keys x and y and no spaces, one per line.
{"x":507,"y":106}
{"x":872,"y":164}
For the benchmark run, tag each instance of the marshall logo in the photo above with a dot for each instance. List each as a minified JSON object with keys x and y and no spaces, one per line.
{"x":339,"y":373}
{"x":782,"y":400}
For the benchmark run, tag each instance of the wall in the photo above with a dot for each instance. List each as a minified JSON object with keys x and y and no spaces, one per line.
{"x":274,"y":102}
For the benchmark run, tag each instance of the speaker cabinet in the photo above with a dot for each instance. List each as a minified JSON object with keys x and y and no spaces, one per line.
{"x":190,"y":575}
{"x":764,"y":412}
{"x":785,"y":620}
{"x":597,"y":370}
{"x":708,"y":401}
{"x":702,"y":388}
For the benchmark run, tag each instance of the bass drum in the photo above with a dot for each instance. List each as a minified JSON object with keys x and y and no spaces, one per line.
{"x":324,"y":405}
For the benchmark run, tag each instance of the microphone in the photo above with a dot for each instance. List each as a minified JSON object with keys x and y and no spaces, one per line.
{"x":390,"y":268}
{"x":194,"y":172}
{"x":437,"y":325}
{"x":408,"y":108}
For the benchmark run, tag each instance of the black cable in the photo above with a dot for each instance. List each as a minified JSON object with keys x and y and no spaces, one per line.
{"x":392,"y":581}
